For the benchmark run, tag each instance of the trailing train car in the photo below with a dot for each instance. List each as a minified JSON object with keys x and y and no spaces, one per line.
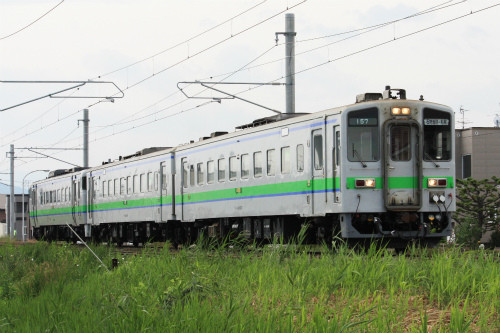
{"x":380,"y":168}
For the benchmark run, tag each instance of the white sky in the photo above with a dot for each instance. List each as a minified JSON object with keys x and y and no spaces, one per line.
{"x":454,"y":64}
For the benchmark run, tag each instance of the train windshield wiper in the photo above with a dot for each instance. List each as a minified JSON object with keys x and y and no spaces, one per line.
{"x":430,"y":159}
{"x":355,"y":152}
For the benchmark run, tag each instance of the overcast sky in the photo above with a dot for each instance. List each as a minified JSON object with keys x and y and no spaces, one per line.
{"x":448,"y":53}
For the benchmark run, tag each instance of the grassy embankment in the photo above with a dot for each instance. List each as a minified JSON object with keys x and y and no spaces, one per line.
{"x":48,"y":288}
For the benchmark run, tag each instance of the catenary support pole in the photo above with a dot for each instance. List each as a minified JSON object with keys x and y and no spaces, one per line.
{"x":290,"y":62}
{"x":12,"y":213}
{"x":85,"y":138}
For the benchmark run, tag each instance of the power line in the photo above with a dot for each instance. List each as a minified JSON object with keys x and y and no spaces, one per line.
{"x":363,"y":30}
{"x":175,"y":64}
{"x":381,"y":25}
{"x":318,"y":65}
{"x":183,"y":42}
{"x":324,"y":63}
{"x":29,"y":25}
{"x":207,"y":48}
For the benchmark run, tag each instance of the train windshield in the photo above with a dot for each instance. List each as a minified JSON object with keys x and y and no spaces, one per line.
{"x":363,"y":136}
{"x":437,"y":135}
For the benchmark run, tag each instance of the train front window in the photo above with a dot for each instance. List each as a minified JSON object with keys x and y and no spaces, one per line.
{"x":362,"y":136}
{"x":437,"y":135}
{"x":400,"y":143}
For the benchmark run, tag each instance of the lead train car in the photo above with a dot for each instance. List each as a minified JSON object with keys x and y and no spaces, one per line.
{"x":380,"y":168}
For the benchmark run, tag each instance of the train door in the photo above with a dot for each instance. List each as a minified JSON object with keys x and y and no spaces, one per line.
{"x":91,"y":198}
{"x":402,"y":172}
{"x":183,"y":185}
{"x":318,"y":173}
{"x":164,"y":202}
{"x":337,"y":157}
{"x":74,"y":200}
{"x":34,"y":197}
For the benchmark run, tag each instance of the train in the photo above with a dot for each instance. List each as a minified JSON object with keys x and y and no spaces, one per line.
{"x":379,"y":169}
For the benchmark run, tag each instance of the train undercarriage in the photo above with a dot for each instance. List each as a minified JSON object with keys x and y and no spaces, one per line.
{"x":395,"y":229}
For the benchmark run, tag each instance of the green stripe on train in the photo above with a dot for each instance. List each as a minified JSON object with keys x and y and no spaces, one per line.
{"x":320,"y":184}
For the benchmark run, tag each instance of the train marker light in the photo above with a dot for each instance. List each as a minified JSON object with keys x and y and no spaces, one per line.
{"x":437,"y":182}
{"x":365,"y":183}
{"x":431,"y":217}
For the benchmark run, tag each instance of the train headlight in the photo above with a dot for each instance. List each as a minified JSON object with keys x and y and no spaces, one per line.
{"x":397,"y":111}
{"x":437,"y":182}
{"x":365,"y":183}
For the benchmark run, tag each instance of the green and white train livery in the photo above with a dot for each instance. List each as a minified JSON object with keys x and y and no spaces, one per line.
{"x":382,"y":168}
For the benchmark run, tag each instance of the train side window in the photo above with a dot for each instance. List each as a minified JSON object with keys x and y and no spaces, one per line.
{"x":136,"y":184}
{"x":257,"y":164}
{"x":117,"y":186}
{"x":130,"y":185}
{"x":232,"y":168}
{"x":185,"y":174}
{"x":318,"y":151}
{"x":221,"y":169}
{"x":150,"y":182}
{"x":66,"y":190}
{"x":191,"y":175}
{"x":285,"y":160}
{"x":337,"y":148}
{"x":104,"y":188}
{"x":300,"y":158}
{"x":210,"y":172}
{"x":156,"y":181}
{"x":142,"y":183}
{"x":245,"y":166}
{"x":200,"y":175}
{"x":271,"y":163}
{"x":110,"y":188}
{"x":123,"y":186}
{"x":164,"y":177}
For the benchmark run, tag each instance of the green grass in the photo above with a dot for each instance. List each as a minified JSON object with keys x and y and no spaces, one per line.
{"x":272,"y":289}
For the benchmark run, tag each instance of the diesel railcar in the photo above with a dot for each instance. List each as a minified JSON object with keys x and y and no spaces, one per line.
{"x":382,"y":168}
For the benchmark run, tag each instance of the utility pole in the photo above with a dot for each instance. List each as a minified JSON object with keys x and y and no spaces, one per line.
{"x":12,"y":215}
{"x":290,"y":61}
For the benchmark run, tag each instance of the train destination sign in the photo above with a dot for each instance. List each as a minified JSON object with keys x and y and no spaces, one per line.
{"x":436,"y":122}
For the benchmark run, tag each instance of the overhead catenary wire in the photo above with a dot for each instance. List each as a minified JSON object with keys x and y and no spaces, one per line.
{"x":364,"y":30}
{"x":343,"y":57}
{"x":29,"y":25}
{"x":371,"y":28}
{"x":183,"y":42}
{"x":189,"y":57}
{"x":327,"y":62}
{"x":206,"y":49}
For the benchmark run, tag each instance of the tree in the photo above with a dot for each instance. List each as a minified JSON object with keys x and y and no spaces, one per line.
{"x":478,"y":203}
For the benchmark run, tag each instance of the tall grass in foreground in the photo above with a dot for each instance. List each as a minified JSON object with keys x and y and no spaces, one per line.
{"x":226,"y":287}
